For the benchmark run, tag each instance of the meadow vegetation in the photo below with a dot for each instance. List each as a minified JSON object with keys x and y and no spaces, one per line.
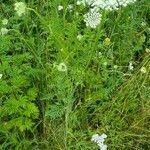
{"x":64,"y":78}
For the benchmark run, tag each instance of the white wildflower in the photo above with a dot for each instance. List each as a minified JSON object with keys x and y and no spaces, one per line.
{"x":84,"y":2}
{"x":62,"y":67}
{"x":79,"y":37}
{"x":96,"y":138}
{"x":20,"y":8}
{"x":130,"y":66}
{"x":70,"y":7}
{"x":60,"y":7}
{"x":61,"y":49}
{"x":104,"y":135}
{"x":143,"y":70}
{"x":77,"y":13}
{"x":80,"y":2}
{"x":4,"y":21}
{"x":105,"y":63}
{"x":89,"y":2}
{"x":143,"y":24}
{"x":1,"y":75}
{"x":4,"y":31}
{"x":103,"y":147}
{"x":100,"y":139}
{"x":92,"y":18}
{"x":107,"y":4}
{"x":147,"y":50}
{"x":115,"y":66}
{"x":100,"y":54}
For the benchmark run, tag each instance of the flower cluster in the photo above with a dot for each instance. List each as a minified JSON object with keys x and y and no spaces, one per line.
{"x":69,"y":7}
{"x":79,"y":37}
{"x":62,"y":67}
{"x":130,"y":67}
{"x":60,"y":7}
{"x":4,"y":30}
{"x":20,"y":8}
{"x":99,"y":139}
{"x":143,"y":70}
{"x":111,"y":4}
{"x":1,"y":76}
{"x":106,"y":4}
{"x":147,"y":50}
{"x":92,"y":18}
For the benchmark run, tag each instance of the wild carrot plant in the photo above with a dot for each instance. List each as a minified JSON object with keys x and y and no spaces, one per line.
{"x":74,"y":74}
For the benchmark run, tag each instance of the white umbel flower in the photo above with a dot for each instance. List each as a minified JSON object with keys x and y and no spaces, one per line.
{"x":70,"y":7}
{"x":62,"y":67}
{"x":100,"y":54}
{"x":1,"y":75}
{"x":96,"y":138}
{"x":130,"y":67}
{"x":60,"y":7}
{"x":147,"y":50}
{"x":143,"y":24}
{"x":100,"y":139}
{"x":84,"y":2}
{"x":4,"y":21}
{"x":80,"y":3}
{"x":104,"y":135}
{"x":4,"y":31}
{"x":20,"y":8}
{"x":79,"y":37}
{"x":143,"y":70}
{"x":89,"y":2}
{"x":115,"y":66}
{"x":92,"y":18}
{"x":107,"y":4}
{"x":103,"y":147}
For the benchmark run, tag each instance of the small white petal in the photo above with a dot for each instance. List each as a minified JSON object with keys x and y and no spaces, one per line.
{"x":100,"y":54}
{"x":130,"y":66}
{"x":94,"y":137}
{"x":1,"y":75}
{"x":147,"y":50}
{"x":115,"y":66}
{"x":143,"y":70}
{"x":79,"y":37}
{"x":60,"y":7}
{"x":105,"y":63}
{"x":143,"y":24}
{"x":104,"y":135}
{"x":70,"y":7}
{"x":103,"y":147}
{"x":100,"y":141}
{"x":81,"y":2}
{"x":4,"y":31}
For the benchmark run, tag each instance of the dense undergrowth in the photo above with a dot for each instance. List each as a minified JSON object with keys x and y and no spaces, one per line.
{"x":62,"y":81}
